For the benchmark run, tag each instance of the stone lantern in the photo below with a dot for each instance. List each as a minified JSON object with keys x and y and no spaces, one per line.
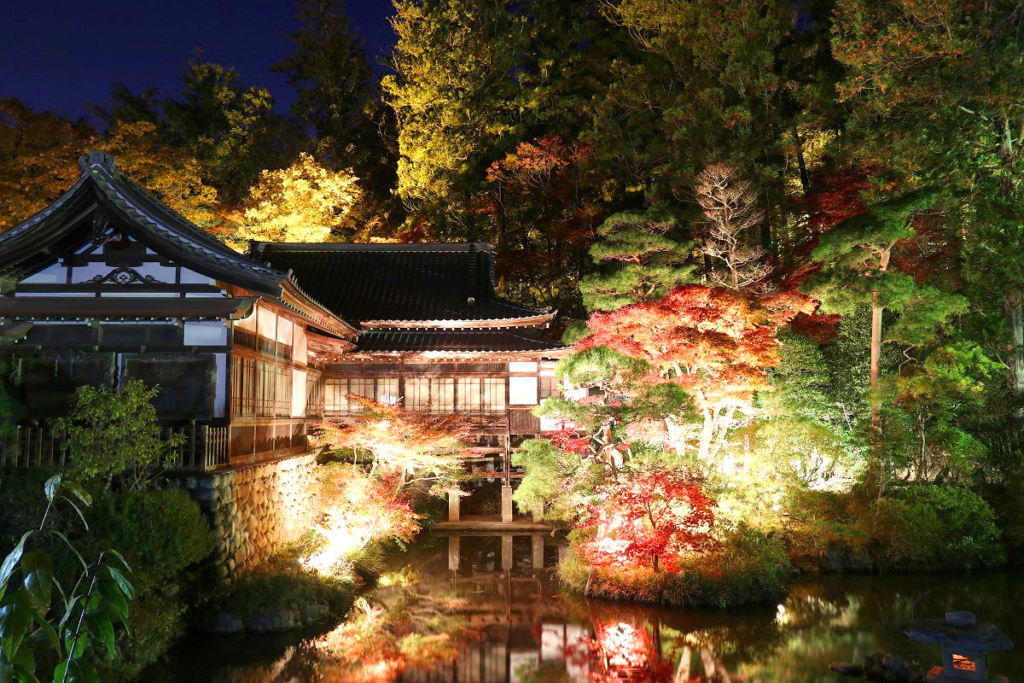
{"x":964,"y":643}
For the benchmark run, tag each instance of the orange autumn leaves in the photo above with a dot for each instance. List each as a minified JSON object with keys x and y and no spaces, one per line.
{"x":718,"y":344}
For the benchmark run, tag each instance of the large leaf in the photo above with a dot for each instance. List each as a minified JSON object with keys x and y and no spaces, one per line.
{"x":75,"y":647}
{"x":122,"y":582}
{"x":102,"y":630}
{"x":7,"y":568}
{"x":52,"y":486}
{"x":25,"y":659}
{"x":25,"y":675}
{"x":114,"y":598}
{"x":78,"y":492}
{"x":48,"y":631}
{"x":14,"y":622}
{"x":38,"y":570}
{"x":6,"y":671}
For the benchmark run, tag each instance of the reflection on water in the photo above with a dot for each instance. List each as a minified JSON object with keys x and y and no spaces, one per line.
{"x":486,"y":609}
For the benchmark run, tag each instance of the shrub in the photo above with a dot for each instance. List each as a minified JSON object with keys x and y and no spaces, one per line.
{"x":934,"y":527}
{"x":163,"y":535}
{"x":823,"y":532}
{"x":114,"y":432}
{"x":748,"y":567}
{"x":288,"y":590}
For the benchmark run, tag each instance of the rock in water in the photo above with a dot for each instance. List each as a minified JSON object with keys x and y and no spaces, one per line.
{"x":847,"y":669}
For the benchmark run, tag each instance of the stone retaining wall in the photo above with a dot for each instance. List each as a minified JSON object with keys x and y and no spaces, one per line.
{"x":256,"y":508}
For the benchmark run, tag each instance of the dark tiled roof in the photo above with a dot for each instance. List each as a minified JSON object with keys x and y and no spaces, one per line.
{"x":397,"y":282}
{"x":453,"y":341}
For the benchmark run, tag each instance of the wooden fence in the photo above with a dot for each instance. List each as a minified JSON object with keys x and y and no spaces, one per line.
{"x":204,"y":447}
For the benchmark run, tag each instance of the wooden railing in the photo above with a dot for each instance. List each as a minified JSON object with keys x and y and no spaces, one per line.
{"x":204,"y":447}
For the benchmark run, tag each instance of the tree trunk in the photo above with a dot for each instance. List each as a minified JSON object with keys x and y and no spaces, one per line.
{"x":1013,"y":305}
{"x":921,"y":460}
{"x":876,"y":355}
{"x":705,"y":436}
{"x":805,"y":182}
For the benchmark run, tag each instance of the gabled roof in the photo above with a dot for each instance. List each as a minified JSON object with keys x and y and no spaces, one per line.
{"x":104,"y":194}
{"x":402,"y":285}
{"x":139,"y":215}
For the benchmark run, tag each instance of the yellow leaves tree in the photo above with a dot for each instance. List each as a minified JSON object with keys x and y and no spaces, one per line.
{"x":38,"y":158}
{"x":169,"y":172}
{"x":302,"y":203}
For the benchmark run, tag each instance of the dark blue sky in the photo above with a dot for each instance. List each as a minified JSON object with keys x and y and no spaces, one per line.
{"x":63,"y":54}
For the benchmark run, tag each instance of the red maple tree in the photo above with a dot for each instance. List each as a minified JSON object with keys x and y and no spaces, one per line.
{"x":652,"y":519}
{"x":716,"y":343}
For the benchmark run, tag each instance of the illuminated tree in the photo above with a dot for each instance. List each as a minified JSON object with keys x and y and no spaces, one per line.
{"x":542,"y":221}
{"x":640,"y":260}
{"x":940,"y":384}
{"x":716,"y":344}
{"x":302,"y":203}
{"x":38,"y":158}
{"x":650,"y":519}
{"x":933,"y":94}
{"x":856,"y":273}
{"x":404,"y":442}
{"x":229,"y":128}
{"x":356,"y":510}
{"x":168,"y":172}
{"x":731,"y":213}
{"x":112,"y":433}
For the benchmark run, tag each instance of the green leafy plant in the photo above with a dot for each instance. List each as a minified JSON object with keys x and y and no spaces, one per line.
{"x":115,"y":433}
{"x":32,"y":628}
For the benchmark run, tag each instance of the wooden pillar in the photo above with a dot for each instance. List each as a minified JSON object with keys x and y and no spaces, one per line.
{"x":453,"y":552}
{"x":506,"y":504}
{"x":538,"y":551}
{"x":506,"y":552}
{"x":454,"y":501}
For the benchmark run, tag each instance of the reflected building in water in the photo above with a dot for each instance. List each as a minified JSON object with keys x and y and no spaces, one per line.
{"x":505,"y":588}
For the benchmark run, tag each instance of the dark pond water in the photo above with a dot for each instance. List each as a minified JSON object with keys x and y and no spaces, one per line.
{"x":475,"y":609}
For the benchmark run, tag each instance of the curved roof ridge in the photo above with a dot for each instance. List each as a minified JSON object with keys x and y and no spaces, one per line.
{"x":113,"y":184}
{"x":45,"y":212}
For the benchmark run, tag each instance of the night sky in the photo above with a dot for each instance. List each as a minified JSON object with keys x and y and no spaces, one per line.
{"x":64,"y":54}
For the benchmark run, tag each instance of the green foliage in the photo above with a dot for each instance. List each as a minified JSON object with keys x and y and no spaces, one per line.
{"x":935,"y":527}
{"x":642,"y":261}
{"x":856,"y":269}
{"x":281,"y":586}
{"x":115,"y":432}
{"x":557,"y":483}
{"x":230,"y":128}
{"x":914,"y":528}
{"x":165,"y":536}
{"x":46,"y":627}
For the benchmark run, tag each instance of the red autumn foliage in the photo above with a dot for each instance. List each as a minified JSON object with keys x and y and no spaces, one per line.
{"x":651,"y":520}
{"x":715,"y":343}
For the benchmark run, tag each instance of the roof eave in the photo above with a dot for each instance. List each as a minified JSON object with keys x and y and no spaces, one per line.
{"x":541,"y":320}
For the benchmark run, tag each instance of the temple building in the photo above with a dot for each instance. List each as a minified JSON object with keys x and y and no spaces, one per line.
{"x":108,"y":284}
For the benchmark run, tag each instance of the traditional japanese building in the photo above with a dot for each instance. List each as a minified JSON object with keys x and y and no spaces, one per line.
{"x":108,"y":284}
